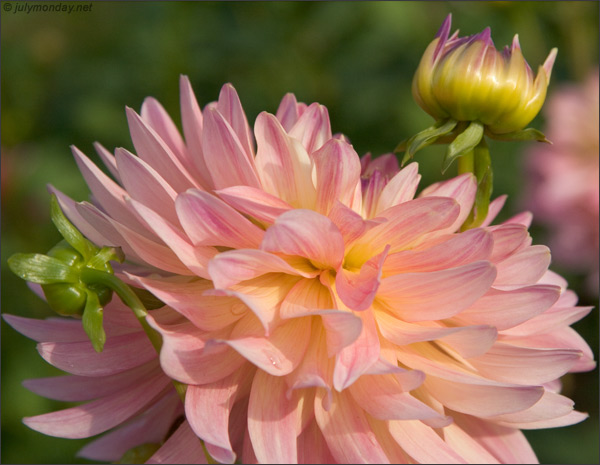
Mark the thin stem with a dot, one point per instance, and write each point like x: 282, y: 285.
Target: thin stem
x: 480, y: 164
x: 466, y: 163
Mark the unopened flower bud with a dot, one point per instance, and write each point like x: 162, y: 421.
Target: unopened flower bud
x: 467, y: 79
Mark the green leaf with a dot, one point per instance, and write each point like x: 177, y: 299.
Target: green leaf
x: 464, y: 142
x: 92, y: 321
x: 106, y: 254
x: 522, y: 135
x: 41, y: 269
x: 70, y: 232
x: 426, y: 137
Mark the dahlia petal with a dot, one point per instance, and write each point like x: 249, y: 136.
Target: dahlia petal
x: 153, y: 150
x: 462, y: 188
x: 347, y: 431
x: 284, y: 167
x: 254, y: 202
x: 209, y: 313
x: 483, y: 400
x: 312, y: 128
x: 566, y: 420
x: 230, y: 107
x: 150, y: 426
x: 302, y: 232
x: 506, y: 309
x: 523, y: 268
x: 358, y: 289
x: 109, y: 160
x: 272, y: 420
x: 507, y: 445
x: 338, y: 173
x: 108, y: 193
x: 549, y: 407
x: 401, y: 188
x: 382, y: 397
x: 508, y: 238
x: 73, y: 388
x: 289, y: 111
x: 182, y: 447
x: 511, y: 364
x: 312, y: 447
x: 191, y: 119
x: 281, y: 352
x: 47, y: 330
x: 98, y: 416
x: 207, y: 409
x: 224, y: 154
x: 460, y: 249
x: 493, y: 209
x: 422, y: 443
x: 523, y: 218
x: 120, y: 353
x: 350, y: 223
x: 552, y: 319
x: 207, y: 220
x: 437, y: 294
x: 470, y: 449
x: 353, y: 360
x: 406, y: 224
x: 145, y: 185
x: 194, y: 257
x: 231, y: 267
x: 184, y: 355
x: 471, y: 341
x: 149, y: 251
x: 153, y: 113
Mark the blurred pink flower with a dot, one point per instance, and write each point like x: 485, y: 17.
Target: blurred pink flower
x: 564, y: 177
x: 328, y: 314
x: 122, y: 389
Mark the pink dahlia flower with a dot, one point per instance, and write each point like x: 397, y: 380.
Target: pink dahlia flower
x: 123, y: 390
x: 564, y: 190
x: 328, y: 315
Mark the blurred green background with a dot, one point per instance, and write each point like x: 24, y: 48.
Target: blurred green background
x: 66, y: 79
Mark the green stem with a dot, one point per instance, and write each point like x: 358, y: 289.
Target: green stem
x: 480, y: 164
x: 129, y: 298
x: 466, y: 163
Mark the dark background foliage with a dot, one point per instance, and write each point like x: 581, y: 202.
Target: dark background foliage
x: 66, y: 79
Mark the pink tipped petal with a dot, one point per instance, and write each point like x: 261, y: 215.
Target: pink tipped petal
x: 571, y: 418
x: 493, y: 210
x: 184, y: 355
x: 99, y: 416
x: 422, y: 443
x: 288, y: 111
x: 154, y: 151
x: 196, y: 258
x: 191, y: 118
x: 338, y: 172
x: 468, y: 446
x: 208, y: 220
x: 438, y: 294
x: 182, y: 447
x: 301, y: 232
x: 523, y: 268
x: 188, y: 297
x: 461, y: 188
x: 48, y: 330
x: 355, y: 359
x: 507, y: 445
x: 109, y: 160
x: 120, y: 353
x: 358, y: 289
x: 507, y: 240
x: 230, y: 107
x: 284, y: 167
x: 145, y: 185
x: 506, y: 309
x: 460, y: 249
x: 272, y: 420
x: 224, y: 154
x: 382, y: 397
x: 231, y: 267
x: 401, y: 188
x: 406, y: 224
x: 554, y: 318
x: 312, y: 128
x: 550, y: 406
x: 350, y: 223
x: 254, y: 202
x: 208, y: 407
x: 312, y: 447
x: 347, y: 431
x: 153, y: 113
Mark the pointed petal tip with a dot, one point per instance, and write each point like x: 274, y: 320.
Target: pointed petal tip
x: 549, y: 63
x: 445, y: 28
